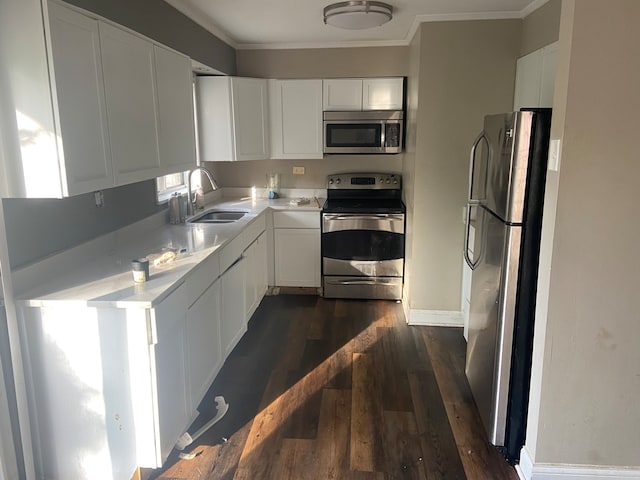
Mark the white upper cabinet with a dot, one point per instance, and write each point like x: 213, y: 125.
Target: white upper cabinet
x: 548, y: 76
x: 176, y: 128
x: 382, y: 93
x: 535, y: 78
x: 295, y: 110
x: 80, y: 97
x: 342, y: 94
x: 232, y: 118
x: 87, y: 105
x: 363, y: 94
x: 129, y: 76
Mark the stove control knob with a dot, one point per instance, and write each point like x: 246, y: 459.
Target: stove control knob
x: 395, y: 181
x: 331, y: 181
x: 388, y: 181
x: 338, y: 181
x: 382, y: 180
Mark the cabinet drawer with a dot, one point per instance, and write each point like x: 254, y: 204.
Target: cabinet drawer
x: 295, y: 219
x: 202, y: 277
x: 254, y: 230
x: 232, y: 251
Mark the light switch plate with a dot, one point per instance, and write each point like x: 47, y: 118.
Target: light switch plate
x: 553, y: 163
x: 298, y: 170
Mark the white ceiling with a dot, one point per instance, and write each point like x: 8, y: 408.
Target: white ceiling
x: 298, y: 23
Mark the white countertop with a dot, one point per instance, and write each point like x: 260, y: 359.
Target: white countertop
x: 104, y: 279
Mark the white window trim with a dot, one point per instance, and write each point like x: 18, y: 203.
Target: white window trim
x: 163, y: 195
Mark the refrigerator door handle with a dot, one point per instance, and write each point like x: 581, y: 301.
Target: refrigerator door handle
x: 472, y: 263
x: 472, y: 165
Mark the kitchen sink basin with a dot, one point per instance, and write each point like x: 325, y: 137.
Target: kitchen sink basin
x: 217, y: 216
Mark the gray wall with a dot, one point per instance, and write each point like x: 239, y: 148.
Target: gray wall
x: 466, y: 71
x: 589, y: 366
x: 541, y: 27
x: 38, y: 227
x: 160, y: 21
x: 313, y: 63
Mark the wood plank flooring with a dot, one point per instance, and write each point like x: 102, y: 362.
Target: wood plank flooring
x: 341, y: 389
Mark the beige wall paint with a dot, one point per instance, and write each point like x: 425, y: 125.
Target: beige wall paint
x: 466, y: 71
x: 313, y: 63
x: 254, y: 173
x: 541, y: 27
x: 323, y: 62
x: 409, y: 160
x: 590, y: 384
x: 548, y: 227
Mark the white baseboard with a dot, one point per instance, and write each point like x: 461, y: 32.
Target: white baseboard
x: 528, y: 470
x: 435, y: 318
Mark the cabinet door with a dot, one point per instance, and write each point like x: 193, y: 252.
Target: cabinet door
x: 382, y: 93
x: 297, y: 257
x: 548, y: 74
x: 342, y: 94
x: 204, y: 351
x: 296, y: 118
x: 170, y: 369
x: 527, y: 88
x: 176, y: 129
x: 129, y: 78
x: 79, y: 87
x: 256, y: 274
x: 232, y: 322
x: 250, y: 117
x: 215, y: 120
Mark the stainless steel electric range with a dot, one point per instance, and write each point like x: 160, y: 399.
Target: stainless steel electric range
x: 362, y: 241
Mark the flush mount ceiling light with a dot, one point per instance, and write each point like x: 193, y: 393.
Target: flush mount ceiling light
x: 357, y: 15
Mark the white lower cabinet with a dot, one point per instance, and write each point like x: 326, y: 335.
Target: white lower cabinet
x: 109, y: 381
x: 169, y: 369
x: 124, y: 383
x: 233, y: 323
x: 297, y: 248
x: 256, y: 279
x: 204, y: 354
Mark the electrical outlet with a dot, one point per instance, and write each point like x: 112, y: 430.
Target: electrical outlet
x: 298, y: 170
x: 99, y: 198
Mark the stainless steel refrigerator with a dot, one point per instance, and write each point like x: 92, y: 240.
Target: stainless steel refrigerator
x: 502, y: 245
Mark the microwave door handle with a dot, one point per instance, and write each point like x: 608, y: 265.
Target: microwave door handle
x: 383, y: 133
x: 472, y: 165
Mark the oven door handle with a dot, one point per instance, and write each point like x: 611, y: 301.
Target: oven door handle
x: 372, y: 216
x: 361, y: 282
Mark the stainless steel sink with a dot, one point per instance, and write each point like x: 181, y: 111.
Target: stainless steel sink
x: 217, y: 216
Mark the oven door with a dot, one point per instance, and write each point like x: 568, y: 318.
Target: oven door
x: 370, y: 245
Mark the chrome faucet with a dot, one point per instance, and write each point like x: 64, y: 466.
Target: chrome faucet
x: 191, y: 202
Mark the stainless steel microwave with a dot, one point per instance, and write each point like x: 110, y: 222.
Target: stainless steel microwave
x: 374, y: 131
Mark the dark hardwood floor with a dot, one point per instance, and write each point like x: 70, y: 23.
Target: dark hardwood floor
x: 341, y: 389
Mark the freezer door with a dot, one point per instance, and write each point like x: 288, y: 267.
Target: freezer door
x: 509, y: 139
x: 491, y: 318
